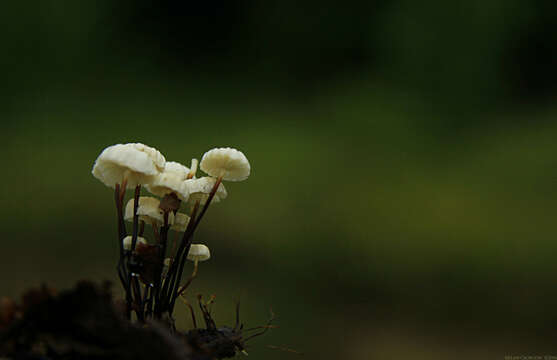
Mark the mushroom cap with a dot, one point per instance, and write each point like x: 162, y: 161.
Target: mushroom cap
x: 199, y: 189
x: 199, y: 252
x: 136, y: 162
x: 229, y: 163
x: 128, y: 242
x: 180, y: 222
x: 171, y: 180
x: 148, y: 210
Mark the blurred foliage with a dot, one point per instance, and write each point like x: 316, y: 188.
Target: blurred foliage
x: 403, y: 157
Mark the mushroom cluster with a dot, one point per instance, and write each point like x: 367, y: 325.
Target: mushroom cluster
x: 151, y: 272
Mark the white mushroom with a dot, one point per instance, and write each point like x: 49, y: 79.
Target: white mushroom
x: 226, y: 163
x: 148, y: 211
x: 171, y: 180
x: 133, y: 163
x: 180, y: 222
x: 128, y: 242
x: 199, y: 252
x: 200, y: 189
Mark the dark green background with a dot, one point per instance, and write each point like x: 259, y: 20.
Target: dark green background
x: 402, y: 202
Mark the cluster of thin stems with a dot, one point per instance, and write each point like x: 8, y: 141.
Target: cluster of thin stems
x: 156, y: 299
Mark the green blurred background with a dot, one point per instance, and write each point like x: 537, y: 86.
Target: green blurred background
x: 402, y: 199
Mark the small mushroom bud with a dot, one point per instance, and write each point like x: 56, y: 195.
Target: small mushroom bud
x: 128, y: 242
x: 148, y: 211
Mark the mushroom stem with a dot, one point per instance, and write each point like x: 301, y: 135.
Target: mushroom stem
x: 193, y: 276
x: 155, y: 227
x: 208, y: 202
x: 149, y: 304
x: 121, y: 224
x: 186, y: 241
x: 141, y: 228
x: 122, y: 269
x: 194, y: 273
x: 209, y: 322
x: 191, y: 311
x: 131, y: 263
x: 138, y: 299
x: 174, y: 244
x: 175, y: 273
x: 158, y: 277
x: 123, y: 189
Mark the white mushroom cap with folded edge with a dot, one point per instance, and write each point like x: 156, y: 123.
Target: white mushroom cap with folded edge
x: 171, y: 180
x: 180, y: 222
x: 228, y: 163
x: 199, y: 252
x: 128, y: 242
x: 135, y: 162
x: 148, y: 210
x: 200, y: 189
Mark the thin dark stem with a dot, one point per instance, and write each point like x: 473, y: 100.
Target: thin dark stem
x: 237, y: 326
x: 149, y: 306
x: 209, y: 322
x: 188, y: 235
x: 139, y: 304
x: 174, y: 244
x: 121, y: 235
x: 208, y: 202
x: 162, y: 253
x: 185, y: 286
x: 121, y: 224
x: 131, y: 261
x: 145, y: 297
x: 141, y: 228
x: 122, y: 270
x: 154, y: 225
x: 265, y: 327
x: 172, y: 274
x: 181, y: 260
x: 261, y: 327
